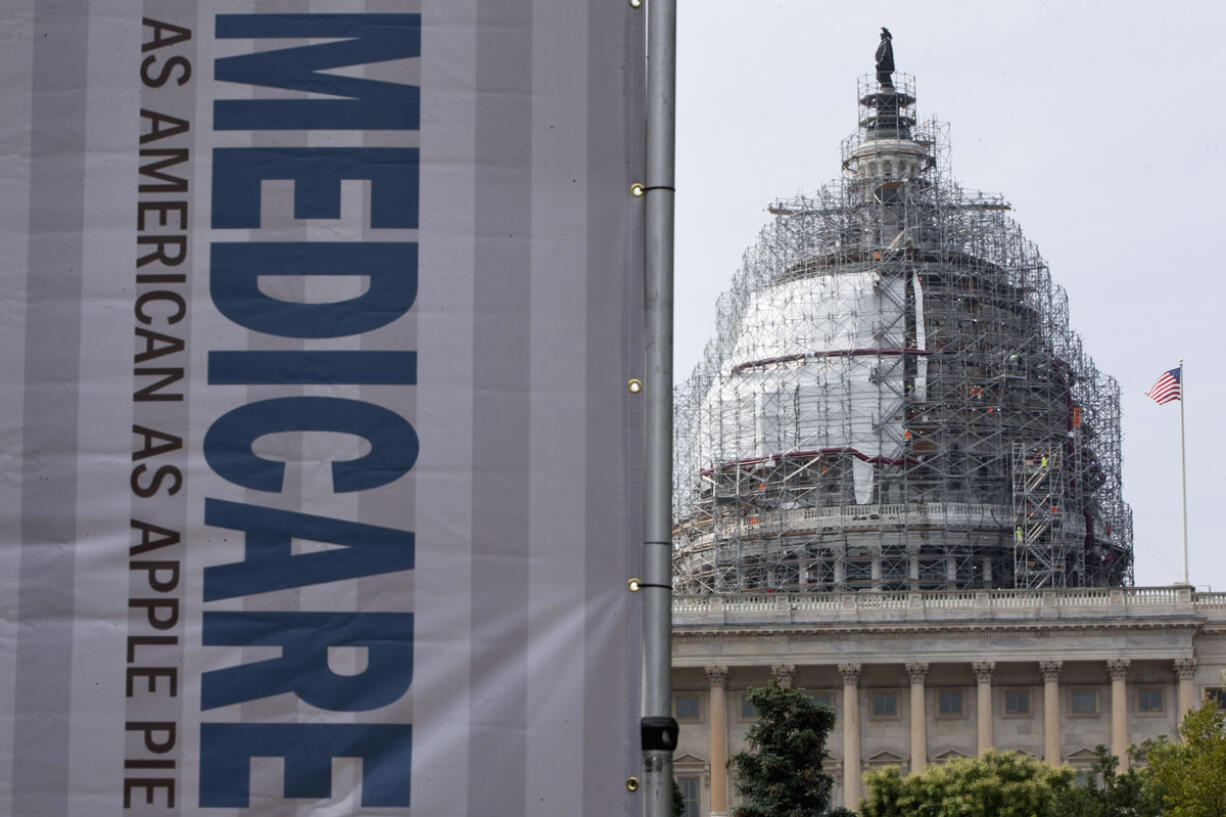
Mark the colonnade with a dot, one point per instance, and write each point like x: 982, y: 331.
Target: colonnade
x: 917, y: 674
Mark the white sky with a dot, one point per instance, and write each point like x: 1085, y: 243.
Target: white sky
x: 1101, y: 123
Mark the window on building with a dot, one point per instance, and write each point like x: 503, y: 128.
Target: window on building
x: 1149, y: 699
x: 1217, y: 695
x: 885, y: 704
x: 822, y: 699
x: 859, y: 571
x: 1017, y: 702
x: 1084, y: 701
x: 748, y: 710
x: 931, y: 572
x: 949, y: 703
x: 686, y: 707
x: 690, y: 792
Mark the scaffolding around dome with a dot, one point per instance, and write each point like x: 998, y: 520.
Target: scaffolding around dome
x: 894, y: 398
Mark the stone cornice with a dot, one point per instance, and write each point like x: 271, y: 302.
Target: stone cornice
x: 1214, y: 630
x: 946, y: 629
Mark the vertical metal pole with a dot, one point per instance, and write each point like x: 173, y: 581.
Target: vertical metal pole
x: 1183, y: 475
x: 658, y: 394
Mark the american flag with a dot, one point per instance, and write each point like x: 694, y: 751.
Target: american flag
x: 1166, y: 388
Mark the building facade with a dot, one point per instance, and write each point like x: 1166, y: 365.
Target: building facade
x: 897, y: 487
x: 916, y: 678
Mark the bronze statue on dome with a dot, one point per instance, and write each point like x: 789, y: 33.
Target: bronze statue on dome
x: 885, y: 59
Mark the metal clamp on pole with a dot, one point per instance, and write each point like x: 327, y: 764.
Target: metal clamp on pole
x: 658, y: 734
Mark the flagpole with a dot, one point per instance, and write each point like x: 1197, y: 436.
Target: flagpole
x: 1183, y: 473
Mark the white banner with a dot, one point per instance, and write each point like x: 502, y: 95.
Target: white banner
x: 321, y: 484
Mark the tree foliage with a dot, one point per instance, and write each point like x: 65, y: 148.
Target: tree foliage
x: 1185, y: 779
x: 1107, y: 793
x: 780, y: 775
x: 1190, y: 776
x: 998, y: 784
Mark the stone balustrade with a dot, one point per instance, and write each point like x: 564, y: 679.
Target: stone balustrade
x: 1091, y: 602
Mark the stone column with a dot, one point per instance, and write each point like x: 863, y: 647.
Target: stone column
x: 1051, y: 710
x: 783, y: 675
x: 718, y: 678
x: 983, y: 686
x: 1185, y: 671
x: 918, y: 672
x: 1117, y: 668
x: 851, y: 735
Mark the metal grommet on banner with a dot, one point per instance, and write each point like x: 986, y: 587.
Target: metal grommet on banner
x: 632, y: 783
x: 637, y: 189
x: 634, y: 385
x: 635, y: 4
x: 633, y: 585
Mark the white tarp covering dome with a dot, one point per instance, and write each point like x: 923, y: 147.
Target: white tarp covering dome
x: 808, y: 373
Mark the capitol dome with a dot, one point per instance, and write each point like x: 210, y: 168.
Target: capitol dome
x: 894, y: 398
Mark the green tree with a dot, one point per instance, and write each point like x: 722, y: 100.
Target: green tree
x: 780, y: 775
x: 998, y: 784
x: 1107, y: 793
x: 1190, y: 776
